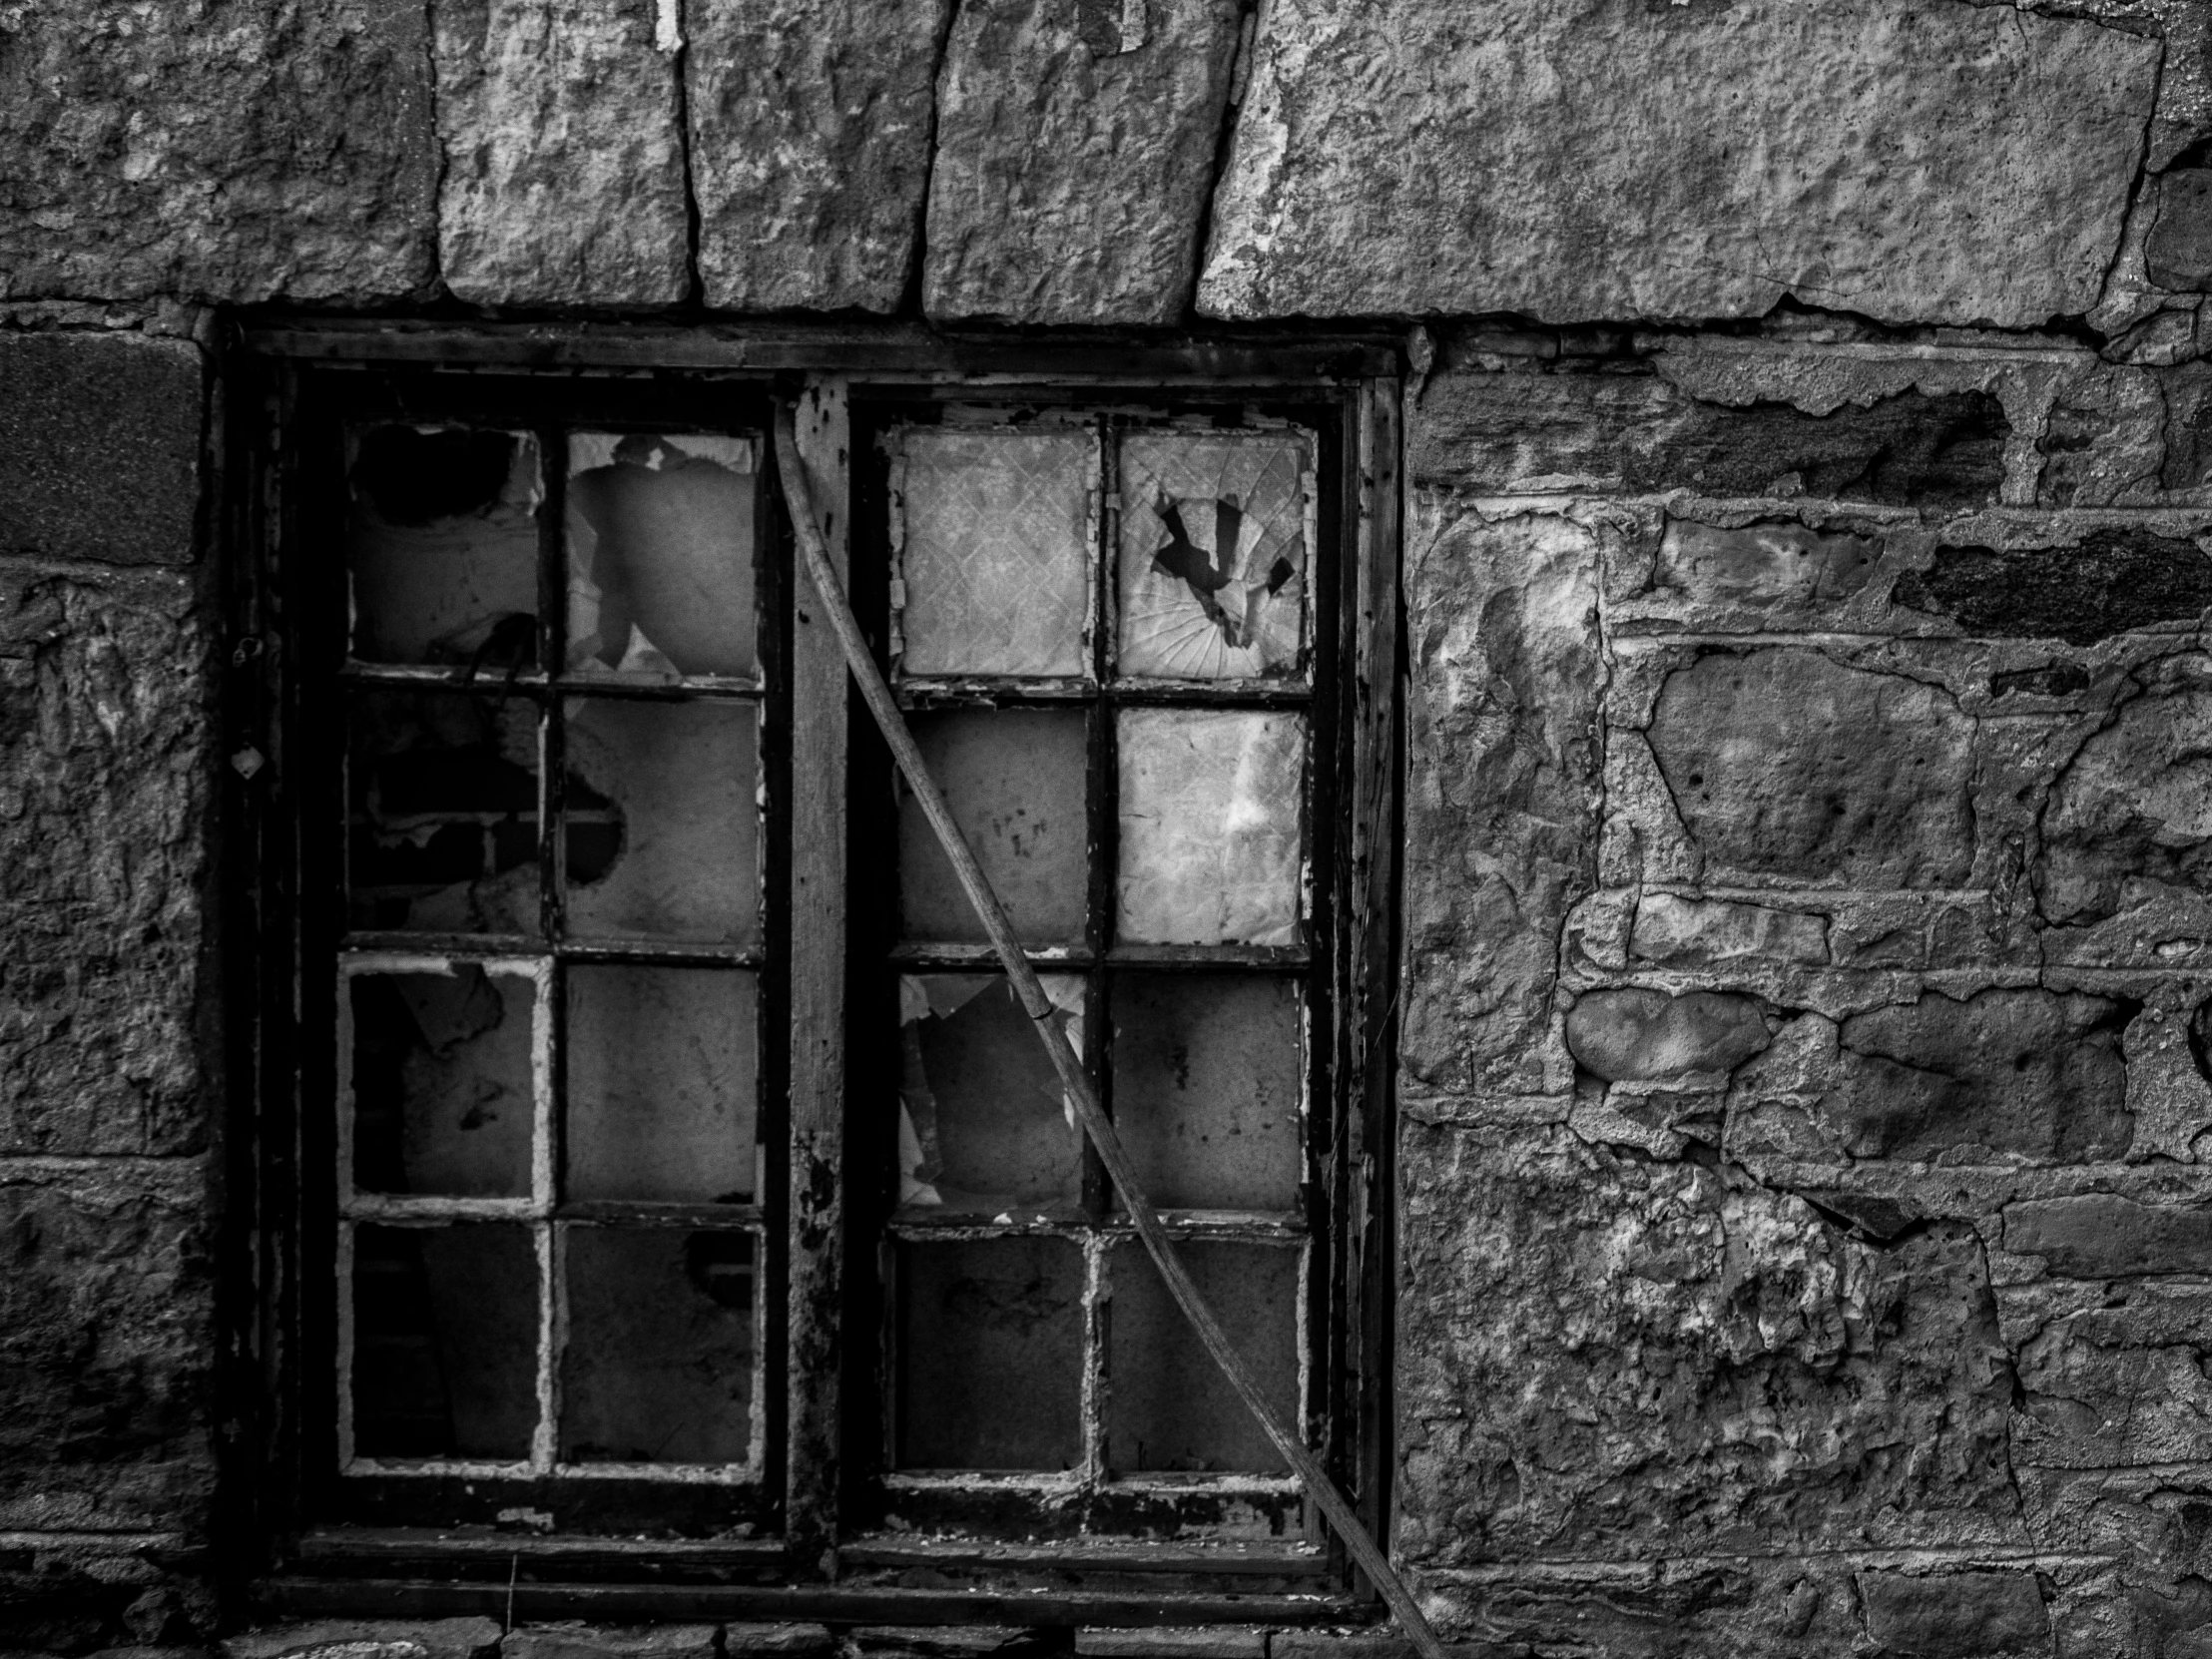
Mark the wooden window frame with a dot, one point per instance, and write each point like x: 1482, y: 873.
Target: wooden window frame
x: 819, y: 1472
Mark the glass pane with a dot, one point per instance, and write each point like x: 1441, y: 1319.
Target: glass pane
x: 441, y: 546
x: 1215, y: 528
x: 443, y: 1100
x: 1208, y: 1077
x: 445, y: 1341
x: 994, y: 533
x: 659, y: 1364
x: 1210, y: 826
x: 443, y: 796
x: 660, y: 554
x: 982, y: 1125
x: 991, y: 1350
x: 1168, y: 1406
x: 669, y: 821
x: 661, y: 1084
x: 1015, y: 780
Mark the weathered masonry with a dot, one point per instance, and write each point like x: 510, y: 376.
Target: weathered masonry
x: 1576, y: 632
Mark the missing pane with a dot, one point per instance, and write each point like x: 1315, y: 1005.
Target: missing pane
x: 661, y: 1084
x: 990, y: 1339
x: 445, y: 1341
x: 674, y: 839
x: 1016, y: 782
x: 1169, y: 1407
x: 441, y: 546
x: 660, y: 554
x: 982, y: 1122
x: 444, y: 1098
x: 1208, y: 1077
x: 993, y: 533
x: 1210, y: 821
x: 443, y: 799
x: 658, y: 1362
x: 1215, y: 528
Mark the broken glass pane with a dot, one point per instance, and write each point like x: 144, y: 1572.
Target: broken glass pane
x: 673, y: 834
x: 658, y: 1362
x: 1169, y: 1407
x: 445, y: 1341
x: 443, y: 799
x: 1208, y: 1077
x: 1215, y: 528
x: 982, y: 1122
x: 991, y: 1347
x: 441, y: 546
x: 444, y: 1098
x: 660, y: 554
x: 661, y: 1091
x: 1210, y: 826
x: 1015, y: 780
x: 993, y: 532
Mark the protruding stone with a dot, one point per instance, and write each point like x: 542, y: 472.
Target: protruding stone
x: 1624, y: 1035
x: 1706, y: 932
x: 1589, y: 160
x: 1962, y: 1615
x: 2133, y: 809
x: 2180, y: 247
x: 809, y: 148
x: 582, y: 1641
x: 1173, y: 1641
x: 1075, y: 144
x: 773, y: 1641
x: 477, y: 1638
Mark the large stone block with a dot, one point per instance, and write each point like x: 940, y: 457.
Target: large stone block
x: 2116, y: 580
x: 104, y: 783
x: 811, y: 125
x: 231, y: 150
x: 2106, y: 1236
x: 1075, y: 144
x: 469, y: 1638
x: 2112, y: 1375
x: 100, y: 447
x: 1962, y: 1615
x: 1592, y: 159
x: 1646, y: 1034
x: 564, y: 160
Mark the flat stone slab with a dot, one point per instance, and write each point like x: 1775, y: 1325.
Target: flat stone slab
x: 369, y: 1639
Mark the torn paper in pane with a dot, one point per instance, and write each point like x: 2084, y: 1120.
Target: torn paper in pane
x: 678, y: 783
x: 990, y: 1344
x: 445, y: 1341
x: 442, y: 794
x: 441, y: 1082
x: 993, y: 534
x: 1210, y: 826
x: 661, y: 1084
x: 441, y: 546
x: 1216, y: 532
x: 983, y: 1123
x: 1016, y: 780
x: 1170, y: 1407
x: 660, y: 554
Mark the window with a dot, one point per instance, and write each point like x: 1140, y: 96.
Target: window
x: 649, y: 1146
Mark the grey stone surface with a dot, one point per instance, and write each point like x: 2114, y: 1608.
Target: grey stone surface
x: 1962, y: 1615
x: 583, y: 1641
x: 1642, y: 1034
x: 2180, y: 247
x: 563, y: 174
x: 811, y: 125
x: 1075, y: 144
x: 1592, y: 161
x: 465, y: 1638
x: 100, y: 447
x: 2104, y: 1236
x: 231, y: 150
x: 2112, y: 1376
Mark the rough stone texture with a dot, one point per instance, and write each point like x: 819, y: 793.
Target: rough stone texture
x: 2116, y: 580
x: 1967, y: 1615
x: 477, y: 1638
x: 2180, y: 247
x: 1076, y: 144
x: 1595, y: 161
x: 579, y: 1641
x: 564, y: 159
x: 1649, y: 1034
x: 811, y: 125
x: 2101, y: 1236
x: 231, y: 150
x: 100, y: 447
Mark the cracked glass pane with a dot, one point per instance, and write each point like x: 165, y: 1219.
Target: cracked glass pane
x: 1017, y: 782
x: 441, y: 546
x: 993, y: 532
x: 667, y: 819
x: 658, y: 1362
x: 990, y: 1344
x: 982, y: 1122
x: 442, y: 796
x: 445, y: 1341
x: 1169, y: 1407
x: 1215, y: 528
x: 1208, y: 1077
x: 442, y: 1082
x: 660, y: 554
x: 661, y: 1084
x: 1210, y: 826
